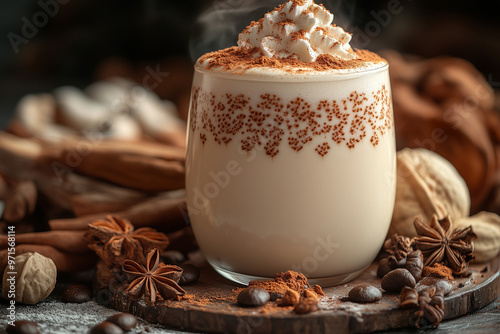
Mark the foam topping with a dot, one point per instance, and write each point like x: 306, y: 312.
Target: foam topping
x: 299, y: 29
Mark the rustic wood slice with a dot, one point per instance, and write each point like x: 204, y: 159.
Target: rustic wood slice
x: 210, y: 305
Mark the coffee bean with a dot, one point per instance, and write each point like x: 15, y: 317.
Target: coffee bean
x: 23, y: 327
x: 125, y: 321
x: 172, y: 257
x: 396, y: 280
x: 383, y: 267
x: 365, y: 293
x: 106, y: 327
x: 253, y: 296
x: 77, y: 294
x: 190, y: 273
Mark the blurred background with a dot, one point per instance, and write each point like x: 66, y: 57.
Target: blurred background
x: 444, y: 58
x: 96, y: 144
x: 48, y: 43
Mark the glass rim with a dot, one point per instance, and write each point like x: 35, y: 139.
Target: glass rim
x: 288, y: 77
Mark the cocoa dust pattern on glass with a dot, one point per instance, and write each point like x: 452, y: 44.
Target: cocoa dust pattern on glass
x: 272, y: 120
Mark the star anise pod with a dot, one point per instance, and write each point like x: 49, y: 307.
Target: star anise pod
x: 155, y: 281
x: 115, y: 240
x: 440, y: 243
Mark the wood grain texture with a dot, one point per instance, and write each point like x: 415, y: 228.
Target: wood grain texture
x: 222, y: 314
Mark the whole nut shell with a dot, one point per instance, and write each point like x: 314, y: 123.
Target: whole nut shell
x: 34, y: 280
x: 486, y: 225
x: 426, y: 184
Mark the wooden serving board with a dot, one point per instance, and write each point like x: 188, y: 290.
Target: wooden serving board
x: 212, y: 305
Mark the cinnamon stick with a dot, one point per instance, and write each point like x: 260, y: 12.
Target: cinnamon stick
x: 162, y: 212
x: 3, y: 187
x: 20, y: 201
x: 65, y: 241
x: 18, y: 155
x: 143, y: 166
x: 65, y: 262
x: 94, y: 202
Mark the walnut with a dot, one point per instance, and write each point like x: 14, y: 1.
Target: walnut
x: 34, y: 280
x: 426, y: 184
x: 486, y: 226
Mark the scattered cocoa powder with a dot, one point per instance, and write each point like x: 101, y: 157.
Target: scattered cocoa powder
x: 291, y: 298
x: 438, y: 270
x: 275, y: 289
x: 239, y: 60
x: 283, y: 282
x: 295, y: 281
x: 315, y: 289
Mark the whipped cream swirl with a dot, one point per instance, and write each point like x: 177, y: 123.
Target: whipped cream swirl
x: 299, y: 28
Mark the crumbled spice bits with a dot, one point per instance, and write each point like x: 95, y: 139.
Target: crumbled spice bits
x: 315, y: 289
x: 440, y: 243
x: 438, y: 270
x: 290, y: 298
x: 272, y: 120
x: 276, y: 290
x: 114, y: 240
x: 282, y: 283
x: 294, y: 280
x: 241, y: 59
x: 306, y: 305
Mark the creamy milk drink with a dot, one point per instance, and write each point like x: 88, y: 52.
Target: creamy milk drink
x: 291, y: 150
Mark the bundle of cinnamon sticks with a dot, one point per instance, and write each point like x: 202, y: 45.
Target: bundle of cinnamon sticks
x: 69, y: 158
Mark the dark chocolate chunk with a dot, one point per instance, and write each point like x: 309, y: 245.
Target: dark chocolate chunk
x: 253, y: 296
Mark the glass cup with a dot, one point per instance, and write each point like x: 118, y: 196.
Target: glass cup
x: 290, y: 172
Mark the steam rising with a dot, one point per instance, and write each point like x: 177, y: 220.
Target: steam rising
x: 219, y: 25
